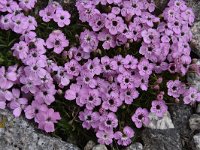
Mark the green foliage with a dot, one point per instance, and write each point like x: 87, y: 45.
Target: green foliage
x: 7, y: 39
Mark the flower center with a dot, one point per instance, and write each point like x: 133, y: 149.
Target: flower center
x: 72, y: 68
x: 111, y: 101
x: 99, y: 23
x: 107, y: 67
x: 158, y: 107
x: 115, y: 23
x: 128, y: 93
x: 91, y: 98
x: 140, y: 117
x: 57, y: 42
x: 108, y: 122
x: 62, y: 17
x: 127, y: 80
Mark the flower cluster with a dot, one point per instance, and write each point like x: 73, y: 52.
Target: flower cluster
x: 103, y: 87
x: 17, y: 22
x: 33, y: 80
x: 164, y: 43
x: 55, y: 11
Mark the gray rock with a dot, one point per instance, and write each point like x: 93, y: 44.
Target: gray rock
x: 180, y: 114
x: 18, y: 133
x: 135, y: 146
x: 168, y: 139
x: 160, y: 123
x: 89, y: 145
x: 193, y: 78
x: 198, y: 109
x: 100, y: 147
x: 195, y: 122
x: 196, y: 139
x: 161, y: 4
x: 195, y: 43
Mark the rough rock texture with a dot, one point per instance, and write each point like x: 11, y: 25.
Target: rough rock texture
x: 168, y: 139
x: 89, y: 145
x: 161, y: 4
x: 180, y: 114
x: 17, y: 133
x: 198, y: 109
x: 193, y: 78
x: 196, y: 139
x: 100, y: 147
x: 160, y: 123
x: 135, y: 146
x: 195, y: 43
x: 195, y: 122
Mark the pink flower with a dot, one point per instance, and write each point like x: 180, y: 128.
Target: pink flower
x: 62, y: 17
x: 105, y: 137
x: 150, y: 36
x: 159, y: 107
x: 88, y: 41
x: 126, y: 80
x: 124, y: 138
x: 89, y: 118
x: 114, y: 24
x: 27, y: 4
x: 57, y: 41
x: 145, y: 68
x: 17, y: 104
x: 20, y: 50
x: 191, y: 96
x: 140, y: 117
x: 47, y: 119
x: 7, y: 78
x: 32, y: 111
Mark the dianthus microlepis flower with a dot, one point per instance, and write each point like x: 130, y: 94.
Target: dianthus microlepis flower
x: 62, y: 17
x: 140, y: 117
x: 124, y: 138
x: 58, y: 41
x: 158, y: 107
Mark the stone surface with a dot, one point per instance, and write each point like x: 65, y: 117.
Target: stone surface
x: 168, y: 139
x: 193, y: 78
x: 19, y: 134
x: 180, y: 114
x: 195, y: 122
x: 195, y: 43
x: 160, y: 123
x: 89, y: 145
x: 100, y: 147
x: 161, y: 4
x: 198, y: 109
x: 196, y: 139
x: 135, y: 146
